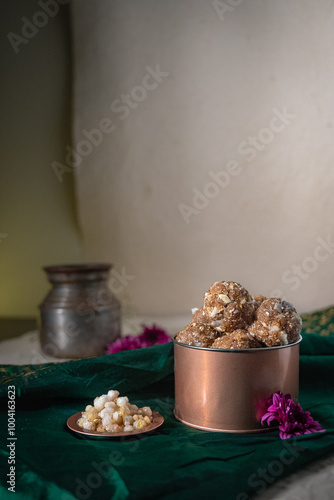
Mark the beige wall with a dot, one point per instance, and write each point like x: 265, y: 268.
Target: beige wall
x: 220, y: 167
x: 36, y: 210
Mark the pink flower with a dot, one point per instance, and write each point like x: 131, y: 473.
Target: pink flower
x: 124, y: 344
x: 292, y: 420
x: 151, y: 335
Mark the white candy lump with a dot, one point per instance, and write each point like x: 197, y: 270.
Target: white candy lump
x: 112, y: 413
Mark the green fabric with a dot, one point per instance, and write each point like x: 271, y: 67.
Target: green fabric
x: 173, y: 462
x: 320, y: 322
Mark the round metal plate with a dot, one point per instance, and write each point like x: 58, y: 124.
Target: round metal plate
x: 73, y: 426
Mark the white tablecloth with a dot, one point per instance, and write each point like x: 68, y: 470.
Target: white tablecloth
x: 26, y: 349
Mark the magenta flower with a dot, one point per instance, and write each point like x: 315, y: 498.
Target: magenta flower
x: 151, y: 335
x: 292, y: 420
x: 124, y: 344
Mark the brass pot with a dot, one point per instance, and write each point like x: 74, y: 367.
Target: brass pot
x: 226, y: 390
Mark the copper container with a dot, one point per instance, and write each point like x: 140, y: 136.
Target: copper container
x: 226, y: 390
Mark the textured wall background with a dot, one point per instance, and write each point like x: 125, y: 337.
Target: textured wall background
x: 214, y: 156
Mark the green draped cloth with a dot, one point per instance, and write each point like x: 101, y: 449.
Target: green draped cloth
x: 174, y: 461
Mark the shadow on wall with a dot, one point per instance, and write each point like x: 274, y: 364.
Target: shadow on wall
x: 38, y: 223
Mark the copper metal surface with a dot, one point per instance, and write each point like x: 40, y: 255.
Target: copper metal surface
x: 226, y: 390
x: 73, y: 426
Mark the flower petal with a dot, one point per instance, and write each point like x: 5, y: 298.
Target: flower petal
x: 292, y: 420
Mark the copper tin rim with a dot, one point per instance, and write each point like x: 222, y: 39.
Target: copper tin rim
x: 257, y: 349
x: 235, y: 431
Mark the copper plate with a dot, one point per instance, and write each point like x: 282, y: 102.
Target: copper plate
x: 73, y: 426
